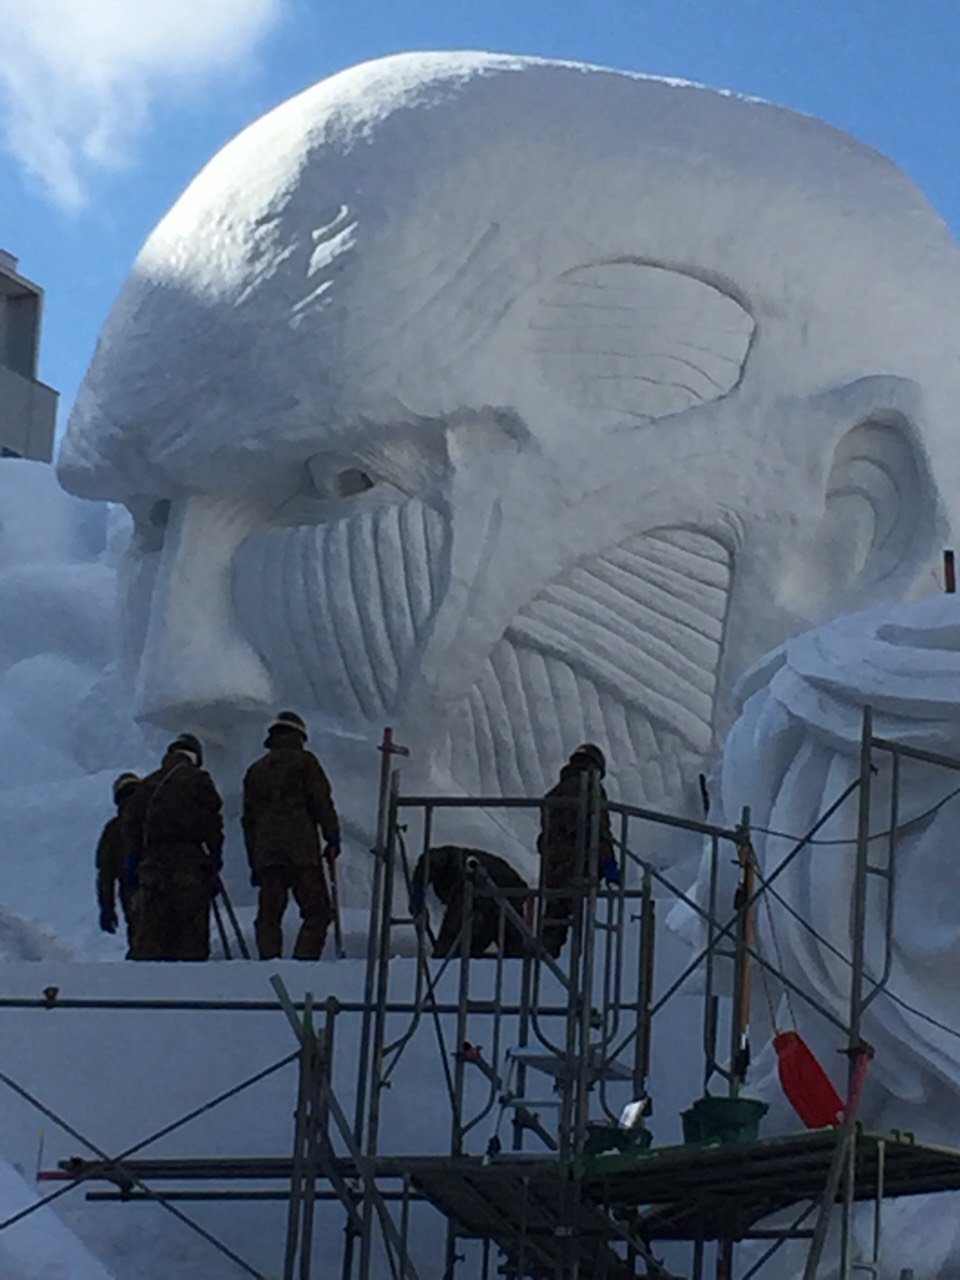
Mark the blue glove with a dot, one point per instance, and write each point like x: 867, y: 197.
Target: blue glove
x: 333, y: 846
x: 254, y: 879
x: 216, y: 857
x: 416, y: 900
x: 108, y: 919
x: 610, y: 870
x: 131, y: 871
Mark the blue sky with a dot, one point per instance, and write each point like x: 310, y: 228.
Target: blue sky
x: 108, y: 107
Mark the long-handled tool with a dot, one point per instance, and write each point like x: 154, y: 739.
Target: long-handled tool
x: 218, y: 918
x: 335, y: 904
x: 232, y: 916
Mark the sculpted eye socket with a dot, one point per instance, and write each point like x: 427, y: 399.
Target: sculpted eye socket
x: 331, y: 478
x: 333, y: 488
x: 159, y: 515
x: 150, y: 519
x: 352, y: 481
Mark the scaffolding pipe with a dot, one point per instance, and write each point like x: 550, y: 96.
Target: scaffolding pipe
x: 743, y: 943
x: 845, y: 1151
x: 381, y: 955
x: 533, y: 1246
x: 856, y: 1048
x: 379, y: 854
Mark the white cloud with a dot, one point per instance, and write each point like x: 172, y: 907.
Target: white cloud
x: 79, y: 78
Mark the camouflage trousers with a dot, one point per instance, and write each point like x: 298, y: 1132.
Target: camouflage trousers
x: 171, y: 919
x: 558, y: 915
x: 128, y: 905
x: 309, y: 888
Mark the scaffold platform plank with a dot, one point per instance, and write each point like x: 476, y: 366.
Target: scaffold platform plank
x: 665, y: 1193
x: 534, y: 1212
x: 722, y: 1191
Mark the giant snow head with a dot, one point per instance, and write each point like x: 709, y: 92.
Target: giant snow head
x: 519, y: 402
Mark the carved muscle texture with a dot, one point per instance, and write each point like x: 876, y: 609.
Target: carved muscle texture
x: 340, y: 609
x: 624, y: 648
x: 641, y: 341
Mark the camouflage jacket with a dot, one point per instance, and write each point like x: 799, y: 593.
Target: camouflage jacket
x: 559, y: 843
x: 286, y: 796
x: 175, y: 812
x: 448, y: 864
x: 112, y: 849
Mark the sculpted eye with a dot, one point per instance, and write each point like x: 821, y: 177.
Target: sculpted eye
x: 150, y: 519
x: 159, y: 515
x: 352, y: 481
x: 331, y: 478
x: 332, y: 488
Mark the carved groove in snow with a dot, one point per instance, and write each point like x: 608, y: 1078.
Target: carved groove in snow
x: 640, y: 340
x: 338, y: 610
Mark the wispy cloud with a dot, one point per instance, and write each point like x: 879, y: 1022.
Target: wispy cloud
x: 80, y: 78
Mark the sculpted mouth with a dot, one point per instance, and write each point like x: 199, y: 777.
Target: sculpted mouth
x: 338, y: 611
x: 623, y: 649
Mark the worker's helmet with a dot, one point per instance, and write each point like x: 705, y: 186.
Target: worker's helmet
x: 187, y: 744
x: 589, y: 753
x: 289, y: 720
x: 123, y: 785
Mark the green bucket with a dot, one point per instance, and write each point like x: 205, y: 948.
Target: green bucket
x: 723, y: 1120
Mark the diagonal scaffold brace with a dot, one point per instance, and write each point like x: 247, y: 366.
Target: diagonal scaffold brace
x: 319, y: 1110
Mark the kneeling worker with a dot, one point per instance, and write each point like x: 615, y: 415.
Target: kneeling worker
x: 175, y: 829
x: 286, y: 796
x: 447, y: 877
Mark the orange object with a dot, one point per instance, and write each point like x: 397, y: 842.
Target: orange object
x: 809, y: 1089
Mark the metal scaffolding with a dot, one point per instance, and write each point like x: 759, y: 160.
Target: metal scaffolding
x: 551, y: 1045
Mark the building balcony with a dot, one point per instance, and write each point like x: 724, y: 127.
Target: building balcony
x: 28, y: 416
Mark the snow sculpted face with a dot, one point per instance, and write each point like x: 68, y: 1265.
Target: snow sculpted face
x: 517, y: 403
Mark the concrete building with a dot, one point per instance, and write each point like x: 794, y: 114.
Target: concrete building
x: 28, y: 408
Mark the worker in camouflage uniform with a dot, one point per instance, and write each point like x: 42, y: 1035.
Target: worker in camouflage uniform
x: 286, y: 796
x: 175, y: 831
x: 445, y: 870
x: 112, y: 850
x: 563, y: 843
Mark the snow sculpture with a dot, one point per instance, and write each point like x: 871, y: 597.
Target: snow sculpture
x: 64, y: 729
x: 517, y: 403
x: 792, y: 752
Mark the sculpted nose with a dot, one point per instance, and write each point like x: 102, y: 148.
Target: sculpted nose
x: 195, y: 665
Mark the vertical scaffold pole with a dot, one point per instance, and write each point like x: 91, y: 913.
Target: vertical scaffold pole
x: 645, y: 973
x: 740, y: 1020
x: 300, y: 1137
x: 378, y: 1035
x: 575, y: 996
x: 318, y: 1119
x: 740, y: 1014
x: 459, y: 1061
x: 709, y: 999
x: 463, y: 998
x: 370, y: 978
x: 857, y: 1050
x: 845, y: 1151
x: 594, y: 816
